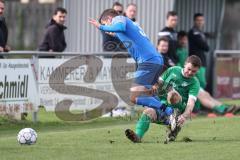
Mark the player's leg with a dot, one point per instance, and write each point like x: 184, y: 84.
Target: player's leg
x: 209, y: 102
x: 149, y: 115
x: 172, y: 134
x: 145, y: 77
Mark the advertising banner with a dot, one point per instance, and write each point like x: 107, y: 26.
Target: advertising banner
x: 228, y: 77
x: 78, y: 80
x: 18, y: 87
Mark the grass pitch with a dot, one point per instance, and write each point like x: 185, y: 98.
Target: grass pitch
x: 212, y: 139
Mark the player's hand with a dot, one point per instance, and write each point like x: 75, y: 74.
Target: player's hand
x: 7, y: 48
x: 110, y: 33
x: 154, y: 88
x: 94, y: 22
x: 1, y: 49
x: 181, y: 120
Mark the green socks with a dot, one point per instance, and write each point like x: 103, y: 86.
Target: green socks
x: 143, y: 125
x: 220, y: 109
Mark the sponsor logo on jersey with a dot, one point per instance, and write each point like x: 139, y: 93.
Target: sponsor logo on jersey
x: 185, y: 84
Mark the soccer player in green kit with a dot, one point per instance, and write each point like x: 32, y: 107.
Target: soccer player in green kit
x: 183, y: 81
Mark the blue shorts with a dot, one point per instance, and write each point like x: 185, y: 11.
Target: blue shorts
x: 163, y: 114
x: 147, y: 74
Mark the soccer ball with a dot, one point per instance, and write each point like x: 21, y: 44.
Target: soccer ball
x: 27, y: 136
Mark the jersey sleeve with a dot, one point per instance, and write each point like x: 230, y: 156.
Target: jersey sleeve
x: 165, y: 74
x: 119, y: 19
x: 118, y: 25
x: 193, y: 92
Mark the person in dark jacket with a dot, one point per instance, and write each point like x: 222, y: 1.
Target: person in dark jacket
x: 198, y: 46
x: 169, y: 31
x: 54, y: 38
x: 3, y: 30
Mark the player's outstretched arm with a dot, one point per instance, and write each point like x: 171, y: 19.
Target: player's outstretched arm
x: 117, y: 27
x: 94, y: 22
x: 187, y: 113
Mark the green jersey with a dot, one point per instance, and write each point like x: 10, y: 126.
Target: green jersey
x: 186, y: 87
x: 182, y: 54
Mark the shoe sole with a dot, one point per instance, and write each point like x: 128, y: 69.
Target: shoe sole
x: 132, y: 136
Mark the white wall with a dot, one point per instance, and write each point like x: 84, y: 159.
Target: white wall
x: 83, y: 37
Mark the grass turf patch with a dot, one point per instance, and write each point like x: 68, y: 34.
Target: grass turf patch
x: 217, y: 138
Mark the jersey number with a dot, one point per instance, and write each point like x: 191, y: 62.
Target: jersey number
x: 140, y: 30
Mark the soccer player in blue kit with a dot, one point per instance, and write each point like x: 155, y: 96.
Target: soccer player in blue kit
x: 148, y: 60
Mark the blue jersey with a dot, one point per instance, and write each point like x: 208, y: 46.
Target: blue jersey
x: 134, y: 39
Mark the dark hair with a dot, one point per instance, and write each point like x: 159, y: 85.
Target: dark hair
x: 181, y: 34
x: 194, y: 60
x: 108, y: 12
x: 171, y: 13
x: 60, y: 9
x: 2, y: 1
x: 165, y: 39
x: 117, y: 4
x: 197, y: 15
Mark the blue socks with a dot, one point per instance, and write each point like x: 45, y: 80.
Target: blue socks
x: 152, y: 102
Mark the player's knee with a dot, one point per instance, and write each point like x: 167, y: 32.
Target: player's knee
x: 207, y: 94
x: 204, y: 94
x: 151, y: 113
x: 133, y: 95
x: 133, y: 99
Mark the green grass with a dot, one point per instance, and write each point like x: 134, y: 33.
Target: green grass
x: 231, y: 101
x: 104, y: 139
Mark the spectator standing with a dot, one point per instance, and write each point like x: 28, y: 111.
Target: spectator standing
x: 3, y: 30
x: 182, y: 50
x: 54, y: 38
x: 162, y: 48
x: 118, y: 7
x: 131, y: 11
x: 198, y: 46
x: 169, y: 31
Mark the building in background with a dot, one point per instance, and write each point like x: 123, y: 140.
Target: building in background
x: 82, y: 37
x: 26, y: 21
x: 230, y: 28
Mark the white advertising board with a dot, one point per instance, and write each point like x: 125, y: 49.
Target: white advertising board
x: 18, y: 87
x: 49, y: 97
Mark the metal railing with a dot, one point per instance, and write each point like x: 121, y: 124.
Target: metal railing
x: 41, y: 53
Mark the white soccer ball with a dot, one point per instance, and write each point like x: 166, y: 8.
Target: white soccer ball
x: 27, y: 136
